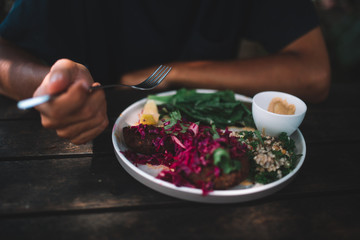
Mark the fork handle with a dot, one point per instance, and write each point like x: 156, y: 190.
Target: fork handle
x: 33, y: 102
x: 107, y: 86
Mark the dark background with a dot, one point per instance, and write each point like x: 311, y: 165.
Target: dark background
x: 340, y: 22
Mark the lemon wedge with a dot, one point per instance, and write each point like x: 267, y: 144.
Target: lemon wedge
x: 150, y: 114
x: 147, y: 119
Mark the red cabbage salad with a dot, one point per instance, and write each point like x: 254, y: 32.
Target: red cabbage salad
x: 200, y: 128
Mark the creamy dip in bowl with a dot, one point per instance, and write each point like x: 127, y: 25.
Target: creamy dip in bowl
x: 293, y: 111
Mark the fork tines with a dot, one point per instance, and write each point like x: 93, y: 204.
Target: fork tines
x: 155, y: 78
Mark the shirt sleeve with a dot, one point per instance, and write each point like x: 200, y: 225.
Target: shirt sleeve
x: 48, y: 29
x: 277, y: 23
x: 25, y: 25
x: 52, y: 30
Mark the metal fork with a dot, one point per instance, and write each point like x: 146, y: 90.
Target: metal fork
x: 150, y: 83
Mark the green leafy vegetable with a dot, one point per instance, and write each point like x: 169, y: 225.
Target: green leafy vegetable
x: 288, y: 143
x: 220, y: 108
x: 265, y: 177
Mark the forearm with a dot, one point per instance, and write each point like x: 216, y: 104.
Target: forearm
x: 20, y: 73
x: 283, y: 72
x: 302, y: 68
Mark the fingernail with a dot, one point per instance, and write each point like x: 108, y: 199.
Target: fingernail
x: 55, y: 77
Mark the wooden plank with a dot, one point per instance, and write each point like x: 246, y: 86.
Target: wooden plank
x: 29, y: 138
x: 9, y: 110
x: 327, y: 217
x: 331, y: 125
x: 99, y: 182
x: 68, y: 184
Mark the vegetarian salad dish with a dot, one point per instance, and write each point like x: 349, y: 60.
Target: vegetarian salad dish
x: 206, y: 141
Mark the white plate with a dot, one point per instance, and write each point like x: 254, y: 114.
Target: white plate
x: 147, y: 175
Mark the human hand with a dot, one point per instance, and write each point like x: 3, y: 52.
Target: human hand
x: 76, y: 114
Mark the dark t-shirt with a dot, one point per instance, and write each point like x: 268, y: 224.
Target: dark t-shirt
x: 113, y: 37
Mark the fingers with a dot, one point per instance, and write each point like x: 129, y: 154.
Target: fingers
x: 78, y: 122
x: 85, y: 131
x: 68, y: 104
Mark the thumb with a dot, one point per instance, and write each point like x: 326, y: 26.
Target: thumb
x: 58, y: 79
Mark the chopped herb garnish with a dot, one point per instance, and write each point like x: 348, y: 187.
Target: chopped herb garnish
x: 223, y: 160
x: 175, y: 116
x: 258, y: 135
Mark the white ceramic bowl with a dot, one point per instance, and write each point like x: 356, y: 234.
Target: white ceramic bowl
x: 271, y: 123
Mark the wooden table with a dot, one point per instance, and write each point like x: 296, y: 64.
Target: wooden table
x: 52, y: 189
